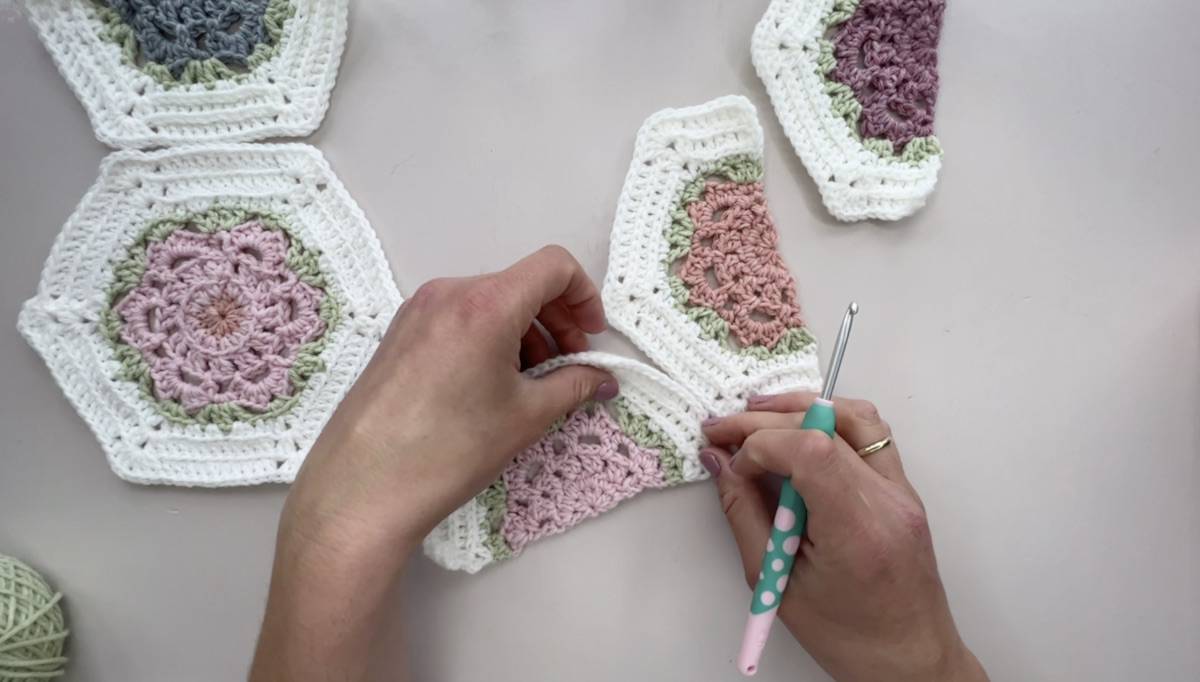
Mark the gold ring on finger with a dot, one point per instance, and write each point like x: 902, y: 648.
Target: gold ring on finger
x: 875, y: 447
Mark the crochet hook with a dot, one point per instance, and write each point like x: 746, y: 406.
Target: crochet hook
x: 789, y: 520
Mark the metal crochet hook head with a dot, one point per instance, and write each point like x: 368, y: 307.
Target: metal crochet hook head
x: 839, y: 349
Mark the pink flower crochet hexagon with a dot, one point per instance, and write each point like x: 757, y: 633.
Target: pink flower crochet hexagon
x: 154, y: 74
x: 220, y: 318
x: 206, y: 308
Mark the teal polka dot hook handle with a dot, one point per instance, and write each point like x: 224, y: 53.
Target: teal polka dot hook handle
x: 788, y: 527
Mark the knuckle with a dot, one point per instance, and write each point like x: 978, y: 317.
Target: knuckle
x: 817, y: 448
x: 581, y: 387
x: 737, y: 424
x: 792, y: 452
x: 886, y: 546
x: 729, y: 498
x: 884, y: 426
x: 867, y: 411
x: 559, y: 259
x: 914, y: 521
x: 428, y: 293
x: 753, y: 442
x: 479, y: 299
x: 916, y: 498
x: 756, y: 445
x: 555, y: 252
x: 876, y: 555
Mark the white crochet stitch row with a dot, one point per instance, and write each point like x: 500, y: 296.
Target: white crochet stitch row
x: 672, y: 147
x: 703, y: 376
x: 286, y: 96
x: 291, y: 181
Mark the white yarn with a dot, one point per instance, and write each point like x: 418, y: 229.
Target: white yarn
x: 285, y: 96
x: 855, y: 182
x: 672, y: 147
x: 458, y: 542
x: 292, y: 181
x: 703, y: 376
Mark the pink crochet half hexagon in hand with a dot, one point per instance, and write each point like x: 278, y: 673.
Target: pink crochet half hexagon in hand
x: 582, y: 470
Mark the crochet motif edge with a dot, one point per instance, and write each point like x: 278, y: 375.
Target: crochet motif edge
x: 60, y: 320
x: 465, y: 540
x: 673, y: 147
x: 137, y: 111
x: 854, y: 181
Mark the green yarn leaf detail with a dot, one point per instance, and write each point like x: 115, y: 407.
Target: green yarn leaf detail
x: 495, y: 502
x: 840, y: 13
x: 793, y: 341
x: 920, y: 148
x: 643, y: 432
x: 128, y: 274
x: 740, y: 168
x: 204, y: 71
x: 847, y: 107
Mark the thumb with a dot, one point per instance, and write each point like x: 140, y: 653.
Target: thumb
x: 827, y: 477
x: 745, y: 509
x: 566, y: 388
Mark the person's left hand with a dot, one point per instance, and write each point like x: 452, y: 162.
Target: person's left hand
x: 434, y: 418
x: 443, y: 406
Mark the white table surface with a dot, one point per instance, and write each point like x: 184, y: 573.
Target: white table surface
x: 1033, y: 335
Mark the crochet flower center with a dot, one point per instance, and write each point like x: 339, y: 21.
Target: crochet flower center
x: 220, y: 317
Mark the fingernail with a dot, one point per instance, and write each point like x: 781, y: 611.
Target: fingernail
x: 606, y: 391
x: 710, y: 463
x: 710, y: 421
x: 755, y: 400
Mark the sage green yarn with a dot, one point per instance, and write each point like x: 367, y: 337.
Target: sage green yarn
x: 741, y: 168
x: 32, y: 628
x: 128, y: 274
x: 847, y: 107
x: 206, y: 71
x: 495, y: 502
x: 643, y: 432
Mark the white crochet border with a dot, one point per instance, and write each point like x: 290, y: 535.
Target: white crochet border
x: 292, y: 181
x: 702, y: 376
x: 458, y: 543
x: 855, y: 182
x: 286, y: 96
x: 672, y: 147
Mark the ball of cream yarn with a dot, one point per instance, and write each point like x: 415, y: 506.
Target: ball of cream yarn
x: 32, y: 631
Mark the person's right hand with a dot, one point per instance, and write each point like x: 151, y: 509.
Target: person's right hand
x: 864, y: 597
